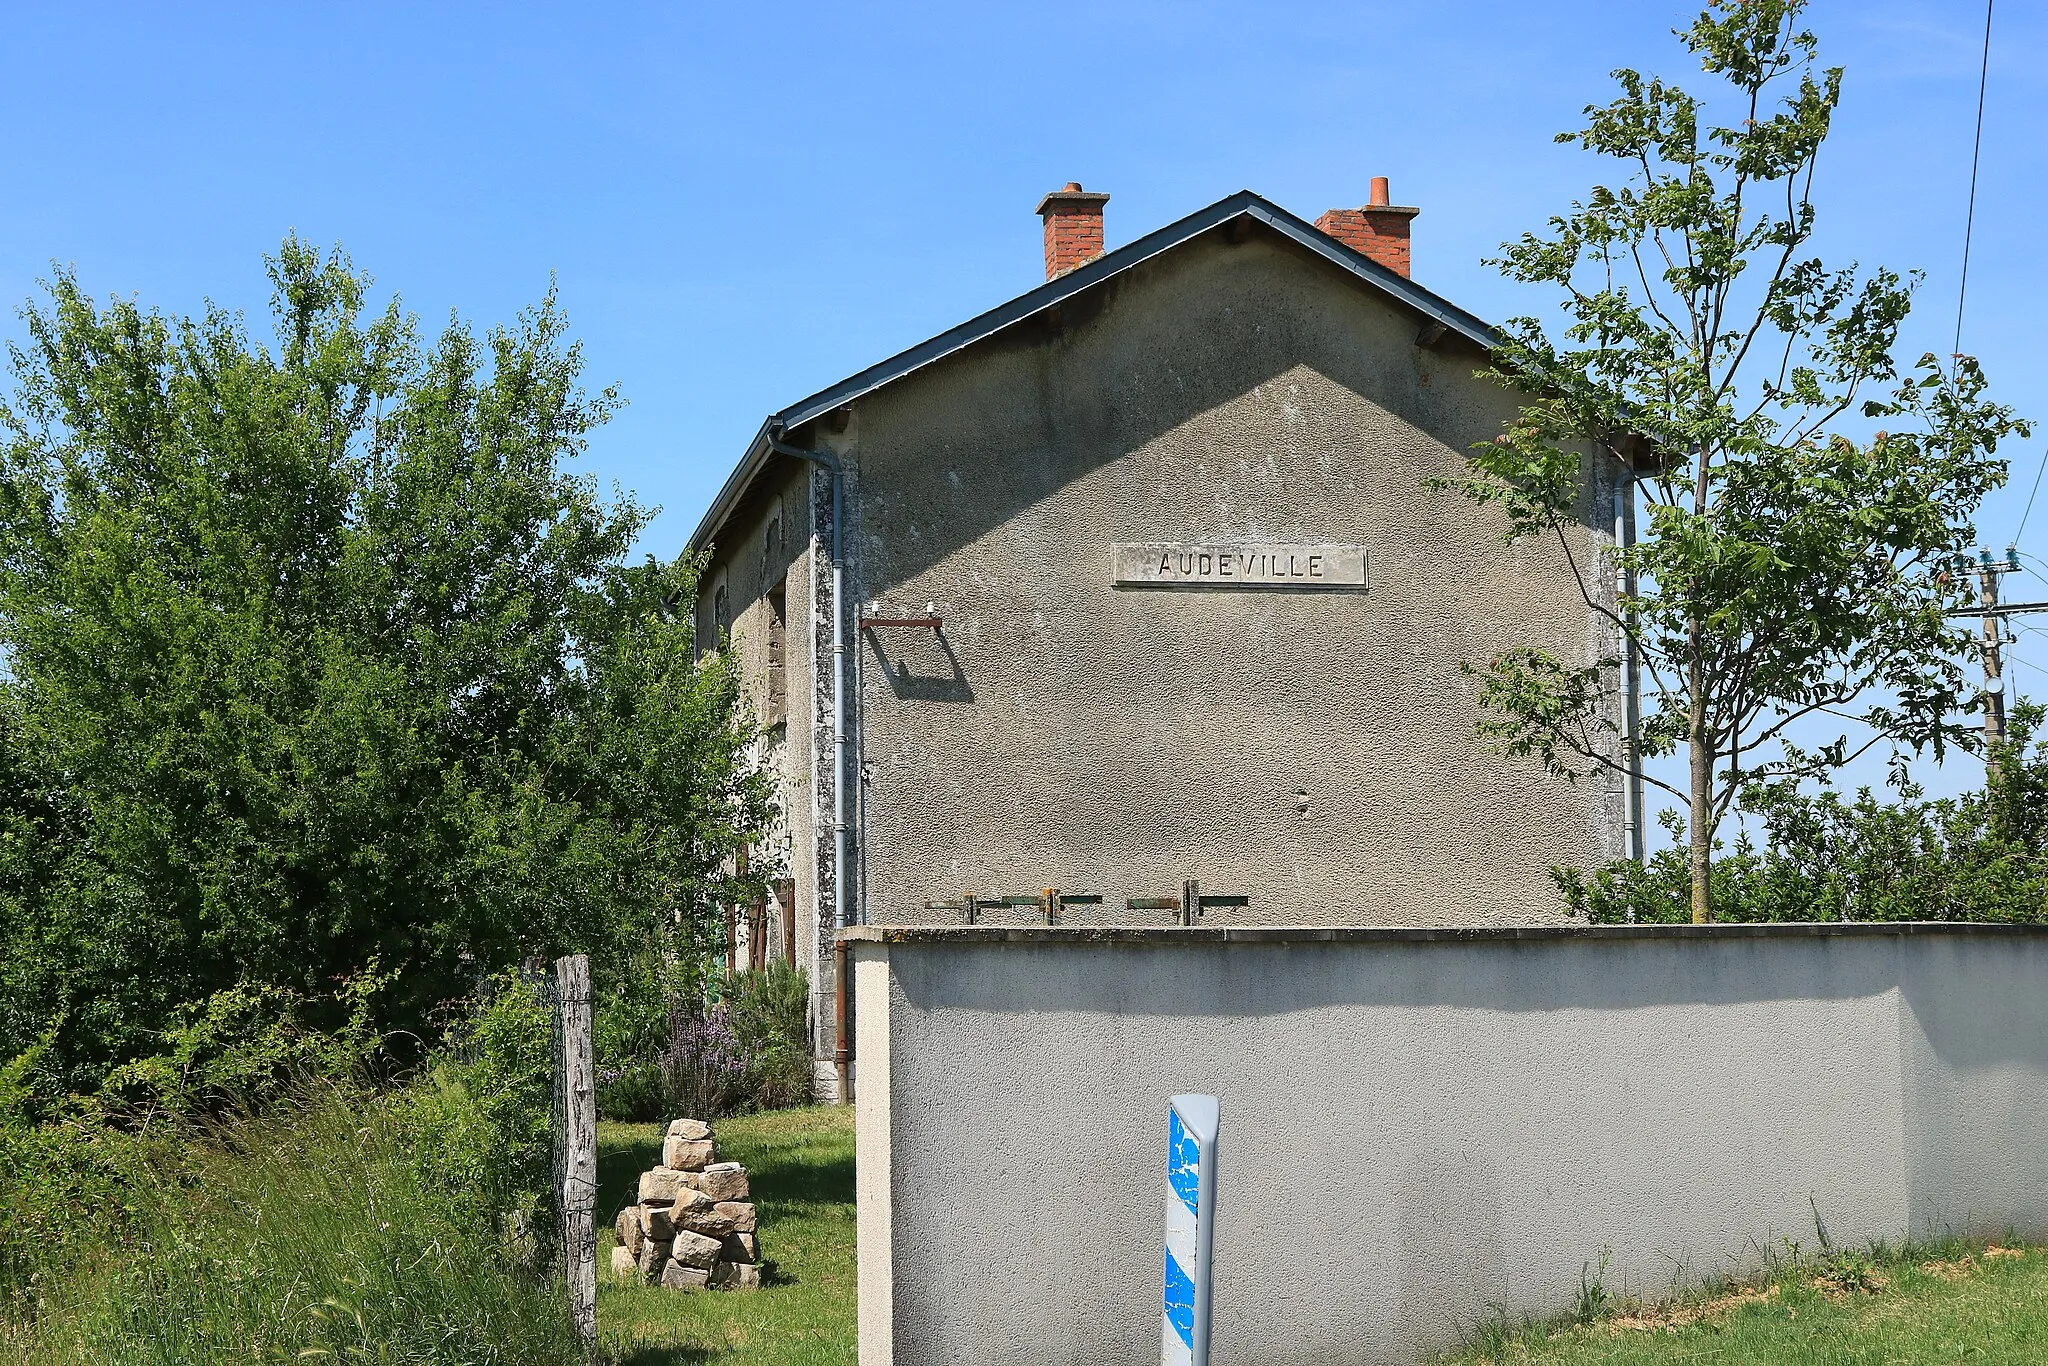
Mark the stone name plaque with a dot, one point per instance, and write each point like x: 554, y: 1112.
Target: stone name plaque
x: 1258, y: 565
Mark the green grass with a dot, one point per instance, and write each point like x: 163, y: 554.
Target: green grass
x: 307, y: 1236
x: 800, y: 1164
x: 1950, y: 1304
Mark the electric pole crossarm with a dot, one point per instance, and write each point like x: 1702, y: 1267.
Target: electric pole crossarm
x: 2003, y: 609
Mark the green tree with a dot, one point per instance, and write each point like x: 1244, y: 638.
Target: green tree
x: 316, y: 656
x: 1785, y: 578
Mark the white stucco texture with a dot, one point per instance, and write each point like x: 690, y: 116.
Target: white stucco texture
x: 1419, y: 1127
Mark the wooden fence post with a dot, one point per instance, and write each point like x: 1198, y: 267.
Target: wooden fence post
x: 579, y: 1171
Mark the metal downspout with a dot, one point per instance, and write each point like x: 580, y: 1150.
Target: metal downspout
x: 842, y: 1050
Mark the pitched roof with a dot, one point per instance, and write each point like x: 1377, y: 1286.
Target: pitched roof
x: 1243, y: 204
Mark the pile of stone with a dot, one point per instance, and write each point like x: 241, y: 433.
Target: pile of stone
x: 693, y: 1226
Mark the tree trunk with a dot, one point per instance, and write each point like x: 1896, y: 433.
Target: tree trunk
x: 1698, y: 827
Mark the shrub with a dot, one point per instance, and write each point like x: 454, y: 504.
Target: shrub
x: 246, y: 1045
x: 637, y: 992
x: 325, y: 1217
x: 749, y: 1050
x: 771, y: 1012
x: 454, y: 727
x: 674, y: 1037
x: 478, y: 1122
x: 707, y: 1072
x: 1982, y: 856
x: 69, y: 1189
x: 75, y: 1170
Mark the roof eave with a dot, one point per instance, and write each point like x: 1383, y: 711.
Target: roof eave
x: 735, y: 487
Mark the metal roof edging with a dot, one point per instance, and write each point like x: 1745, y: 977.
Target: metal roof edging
x: 733, y: 489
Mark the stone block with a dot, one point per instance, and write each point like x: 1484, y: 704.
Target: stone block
x: 713, y: 1221
x: 653, y: 1257
x: 742, y: 1215
x: 627, y: 1229
x: 690, y: 1130
x: 688, y: 1154
x: 676, y: 1276
x: 686, y: 1200
x: 694, y: 1249
x: 741, y: 1247
x: 659, y: 1186
x: 625, y: 1266
x: 735, y: 1276
x: 657, y: 1222
x: 723, y: 1181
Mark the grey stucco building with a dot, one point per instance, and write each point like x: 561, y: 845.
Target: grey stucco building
x: 1140, y: 578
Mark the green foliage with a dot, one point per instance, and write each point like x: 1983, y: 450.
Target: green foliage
x: 454, y: 1163
x: 747, y: 1050
x: 638, y: 993
x: 675, y: 1038
x: 1593, y: 1292
x: 1947, y: 1300
x: 477, y: 1123
x: 631, y: 1090
x: 69, y: 1190
x: 317, y: 657
x: 1787, y: 576
x: 770, y: 1012
x: 305, y: 1236
x: 244, y: 1046
x: 76, y: 1170
x: 720, y: 1044
x: 1979, y: 857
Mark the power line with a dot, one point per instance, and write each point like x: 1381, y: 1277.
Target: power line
x: 2030, y: 497
x: 1970, y: 220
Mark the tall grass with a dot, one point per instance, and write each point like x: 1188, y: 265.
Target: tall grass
x: 316, y: 1233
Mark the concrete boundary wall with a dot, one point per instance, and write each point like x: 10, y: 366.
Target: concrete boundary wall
x: 1418, y: 1125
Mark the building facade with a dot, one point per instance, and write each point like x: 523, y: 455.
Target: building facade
x: 1143, y: 579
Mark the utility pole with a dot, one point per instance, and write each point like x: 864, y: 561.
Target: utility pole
x: 1994, y: 637
x: 1994, y: 613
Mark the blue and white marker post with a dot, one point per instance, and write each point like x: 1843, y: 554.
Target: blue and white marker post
x: 1190, y: 1223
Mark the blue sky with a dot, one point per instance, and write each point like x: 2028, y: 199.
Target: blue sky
x: 744, y: 203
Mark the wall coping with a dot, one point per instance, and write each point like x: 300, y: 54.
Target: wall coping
x: 1207, y: 935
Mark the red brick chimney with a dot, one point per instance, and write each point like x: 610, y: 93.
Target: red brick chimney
x: 1073, y: 228
x: 1379, y: 230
